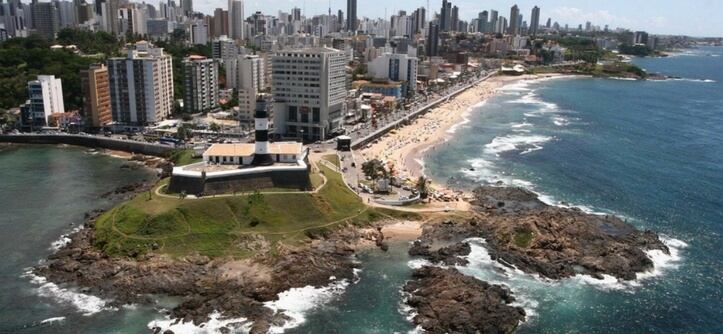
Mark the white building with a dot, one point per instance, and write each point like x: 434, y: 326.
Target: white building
x: 224, y: 47
x: 141, y: 85
x: 397, y: 67
x: 199, y: 32
x: 246, y: 74
x: 200, y: 84
x: 308, y: 86
x: 46, y: 97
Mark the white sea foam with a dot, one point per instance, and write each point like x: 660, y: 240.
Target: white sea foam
x: 560, y: 121
x: 515, y: 142
x: 295, y: 303
x: 63, y: 241
x: 418, y: 263
x: 454, y: 127
x: 215, y: 324
x: 52, y: 320
x: 86, y: 304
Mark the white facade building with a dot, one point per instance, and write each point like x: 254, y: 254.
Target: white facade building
x: 247, y: 75
x: 308, y: 86
x: 397, y: 67
x: 141, y: 85
x: 46, y: 97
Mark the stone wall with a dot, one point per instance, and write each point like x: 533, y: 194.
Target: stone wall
x: 292, y: 180
x: 90, y: 141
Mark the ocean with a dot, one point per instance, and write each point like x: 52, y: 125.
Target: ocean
x: 648, y: 151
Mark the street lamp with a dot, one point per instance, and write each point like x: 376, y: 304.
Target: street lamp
x: 302, y: 135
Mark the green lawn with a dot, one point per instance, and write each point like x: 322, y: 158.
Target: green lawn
x: 333, y: 158
x: 211, y: 226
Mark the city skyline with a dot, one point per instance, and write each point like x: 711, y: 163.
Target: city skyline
x: 662, y: 17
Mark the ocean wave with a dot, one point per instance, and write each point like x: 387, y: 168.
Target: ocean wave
x: 296, y: 302
x: 86, y: 304
x: 465, y: 119
x: 418, y: 263
x: 515, y: 142
x: 52, y: 320
x: 215, y: 324
x: 63, y: 241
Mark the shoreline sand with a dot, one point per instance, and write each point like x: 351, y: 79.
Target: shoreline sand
x: 406, y: 148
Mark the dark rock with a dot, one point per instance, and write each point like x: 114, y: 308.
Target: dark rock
x: 447, y: 301
x: 551, y: 241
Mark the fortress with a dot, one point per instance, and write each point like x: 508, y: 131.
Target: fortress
x: 246, y: 167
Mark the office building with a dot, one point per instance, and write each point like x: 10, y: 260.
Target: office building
x: 482, y: 22
x: 141, y: 85
x: 236, y: 19
x: 514, y: 28
x: 535, y: 21
x: 96, y: 95
x: 46, y: 19
x: 351, y: 18
x: 433, y: 40
x: 309, y: 88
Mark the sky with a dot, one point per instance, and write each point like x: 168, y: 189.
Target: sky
x: 700, y: 18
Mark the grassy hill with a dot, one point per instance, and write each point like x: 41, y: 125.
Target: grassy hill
x: 214, y: 226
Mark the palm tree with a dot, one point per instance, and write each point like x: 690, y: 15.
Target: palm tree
x: 214, y: 127
x: 422, y: 186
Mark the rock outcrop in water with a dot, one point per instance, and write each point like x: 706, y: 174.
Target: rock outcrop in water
x: 554, y: 242
x: 446, y: 301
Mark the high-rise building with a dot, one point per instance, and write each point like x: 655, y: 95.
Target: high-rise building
x: 454, y: 19
x: 96, y: 95
x: 514, y: 28
x: 46, y: 19
x: 187, y: 7
x: 200, y: 84
x: 420, y: 19
x: 445, y: 16
x: 535, y: 21
x: 494, y: 16
x: 223, y: 47
x: 309, y: 88
x: 246, y: 74
x: 220, y: 23
x: 236, y: 19
x: 433, y: 40
x: 482, y: 21
x: 141, y: 85
x: 199, y: 32
x: 351, y: 18
x: 46, y: 98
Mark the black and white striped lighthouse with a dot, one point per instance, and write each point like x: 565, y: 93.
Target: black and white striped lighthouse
x: 261, y: 147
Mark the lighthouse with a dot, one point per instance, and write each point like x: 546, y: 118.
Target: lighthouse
x: 261, y: 147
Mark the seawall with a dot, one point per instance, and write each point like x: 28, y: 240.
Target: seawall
x: 158, y: 150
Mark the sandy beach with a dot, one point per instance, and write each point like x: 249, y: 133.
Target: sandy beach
x: 406, y: 148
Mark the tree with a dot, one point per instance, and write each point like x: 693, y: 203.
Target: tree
x: 185, y: 131
x: 214, y: 127
x: 422, y: 185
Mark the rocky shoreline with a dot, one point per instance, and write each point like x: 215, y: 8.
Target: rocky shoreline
x: 237, y: 288
x: 520, y: 231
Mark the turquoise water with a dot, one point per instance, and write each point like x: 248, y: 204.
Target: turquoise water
x: 651, y: 152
